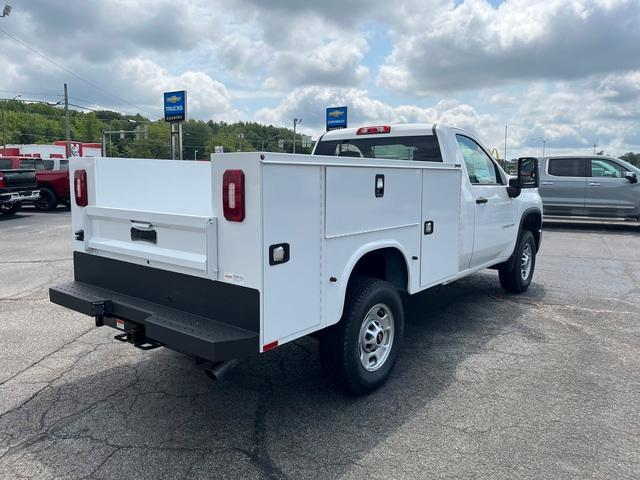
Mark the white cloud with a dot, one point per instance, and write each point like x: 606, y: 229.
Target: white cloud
x: 208, y: 98
x: 310, y: 103
x: 476, y: 45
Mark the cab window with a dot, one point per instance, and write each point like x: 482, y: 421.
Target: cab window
x: 567, y: 167
x: 27, y: 164
x: 422, y: 148
x: 606, y: 168
x: 480, y: 167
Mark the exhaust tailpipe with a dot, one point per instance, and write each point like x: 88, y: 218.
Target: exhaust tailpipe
x: 215, y: 371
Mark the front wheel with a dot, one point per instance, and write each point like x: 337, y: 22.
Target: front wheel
x: 360, y: 351
x: 517, y: 278
x: 9, y: 208
x: 47, y: 200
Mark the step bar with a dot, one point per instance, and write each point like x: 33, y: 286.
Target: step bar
x: 207, y: 319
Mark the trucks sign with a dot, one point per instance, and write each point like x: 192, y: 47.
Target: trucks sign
x: 175, y: 106
x: 336, y: 118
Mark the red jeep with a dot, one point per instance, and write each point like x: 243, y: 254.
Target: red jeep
x: 53, y: 184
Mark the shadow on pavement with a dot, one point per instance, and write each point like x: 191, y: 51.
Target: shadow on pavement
x: 119, y: 413
x: 29, y: 211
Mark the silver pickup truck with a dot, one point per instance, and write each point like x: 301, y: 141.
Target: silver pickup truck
x: 592, y: 186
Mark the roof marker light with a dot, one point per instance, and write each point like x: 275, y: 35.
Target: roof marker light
x: 374, y: 130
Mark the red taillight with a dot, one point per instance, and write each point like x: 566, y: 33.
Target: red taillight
x: 80, y: 187
x: 373, y: 130
x: 1, y: 180
x: 233, y: 195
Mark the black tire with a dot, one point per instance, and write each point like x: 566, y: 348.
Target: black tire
x: 9, y: 208
x: 340, y: 344
x: 47, y: 200
x: 513, y: 279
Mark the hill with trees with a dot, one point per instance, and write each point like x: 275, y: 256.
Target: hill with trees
x: 26, y: 122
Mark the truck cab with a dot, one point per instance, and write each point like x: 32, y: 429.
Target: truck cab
x: 18, y: 185
x: 489, y: 216
x: 52, y: 182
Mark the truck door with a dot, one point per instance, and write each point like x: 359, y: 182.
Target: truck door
x: 563, y: 186
x: 494, y: 223
x: 608, y: 192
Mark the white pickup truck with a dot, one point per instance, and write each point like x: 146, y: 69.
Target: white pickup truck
x: 223, y: 259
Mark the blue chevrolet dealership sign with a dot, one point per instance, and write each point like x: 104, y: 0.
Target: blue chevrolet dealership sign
x: 175, y: 106
x: 336, y: 118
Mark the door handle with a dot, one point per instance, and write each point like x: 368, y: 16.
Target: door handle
x: 594, y: 184
x: 547, y: 183
x: 482, y: 200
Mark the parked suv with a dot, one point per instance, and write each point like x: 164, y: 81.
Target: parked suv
x: 589, y: 186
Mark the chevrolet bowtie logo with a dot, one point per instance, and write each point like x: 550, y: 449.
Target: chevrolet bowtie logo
x: 174, y: 99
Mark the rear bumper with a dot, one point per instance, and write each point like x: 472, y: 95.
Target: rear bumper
x: 199, y: 317
x: 23, y: 196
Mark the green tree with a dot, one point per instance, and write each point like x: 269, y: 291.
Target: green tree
x: 632, y: 158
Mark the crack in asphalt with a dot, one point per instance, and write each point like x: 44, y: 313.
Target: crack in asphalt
x: 259, y: 454
x: 47, y: 356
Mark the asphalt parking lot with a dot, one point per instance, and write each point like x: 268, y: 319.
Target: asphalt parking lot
x: 490, y: 385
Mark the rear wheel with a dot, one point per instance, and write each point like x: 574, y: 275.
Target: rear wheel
x: 9, y: 208
x: 361, y: 350
x: 517, y: 278
x: 47, y: 200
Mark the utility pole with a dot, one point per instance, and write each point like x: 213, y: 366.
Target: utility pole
x: 296, y: 121
x: 594, y: 148
x: 66, y: 120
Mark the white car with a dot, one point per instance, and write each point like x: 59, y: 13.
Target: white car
x: 241, y: 255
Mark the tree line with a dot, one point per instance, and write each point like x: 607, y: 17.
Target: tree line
x: 23, y: 123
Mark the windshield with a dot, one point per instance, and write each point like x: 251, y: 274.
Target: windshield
x: 423, y: 148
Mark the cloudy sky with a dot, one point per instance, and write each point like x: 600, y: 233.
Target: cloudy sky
x: 564, y: 70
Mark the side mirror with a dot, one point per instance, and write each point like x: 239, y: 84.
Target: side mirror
x: 527, y: 176
x: 514, y: 189
x: 631, y: 176
x: 528, y: 172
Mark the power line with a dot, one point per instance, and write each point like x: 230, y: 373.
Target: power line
x: 97, y: 87
x: 101, y: 106
x: 33, y: 93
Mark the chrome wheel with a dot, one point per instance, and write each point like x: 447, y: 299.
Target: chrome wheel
x: 525, y: 261
x: 376, y: 337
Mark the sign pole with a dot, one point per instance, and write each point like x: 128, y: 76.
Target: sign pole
x: 173, y: 141
x: 180, y: 141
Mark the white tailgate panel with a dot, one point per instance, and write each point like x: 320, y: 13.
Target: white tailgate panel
x: 168, y: 186
x: 181, y: 240
x: 292, y: 209
x: 171, y: 198
x: 441, y: 205
x: 352, y: 206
